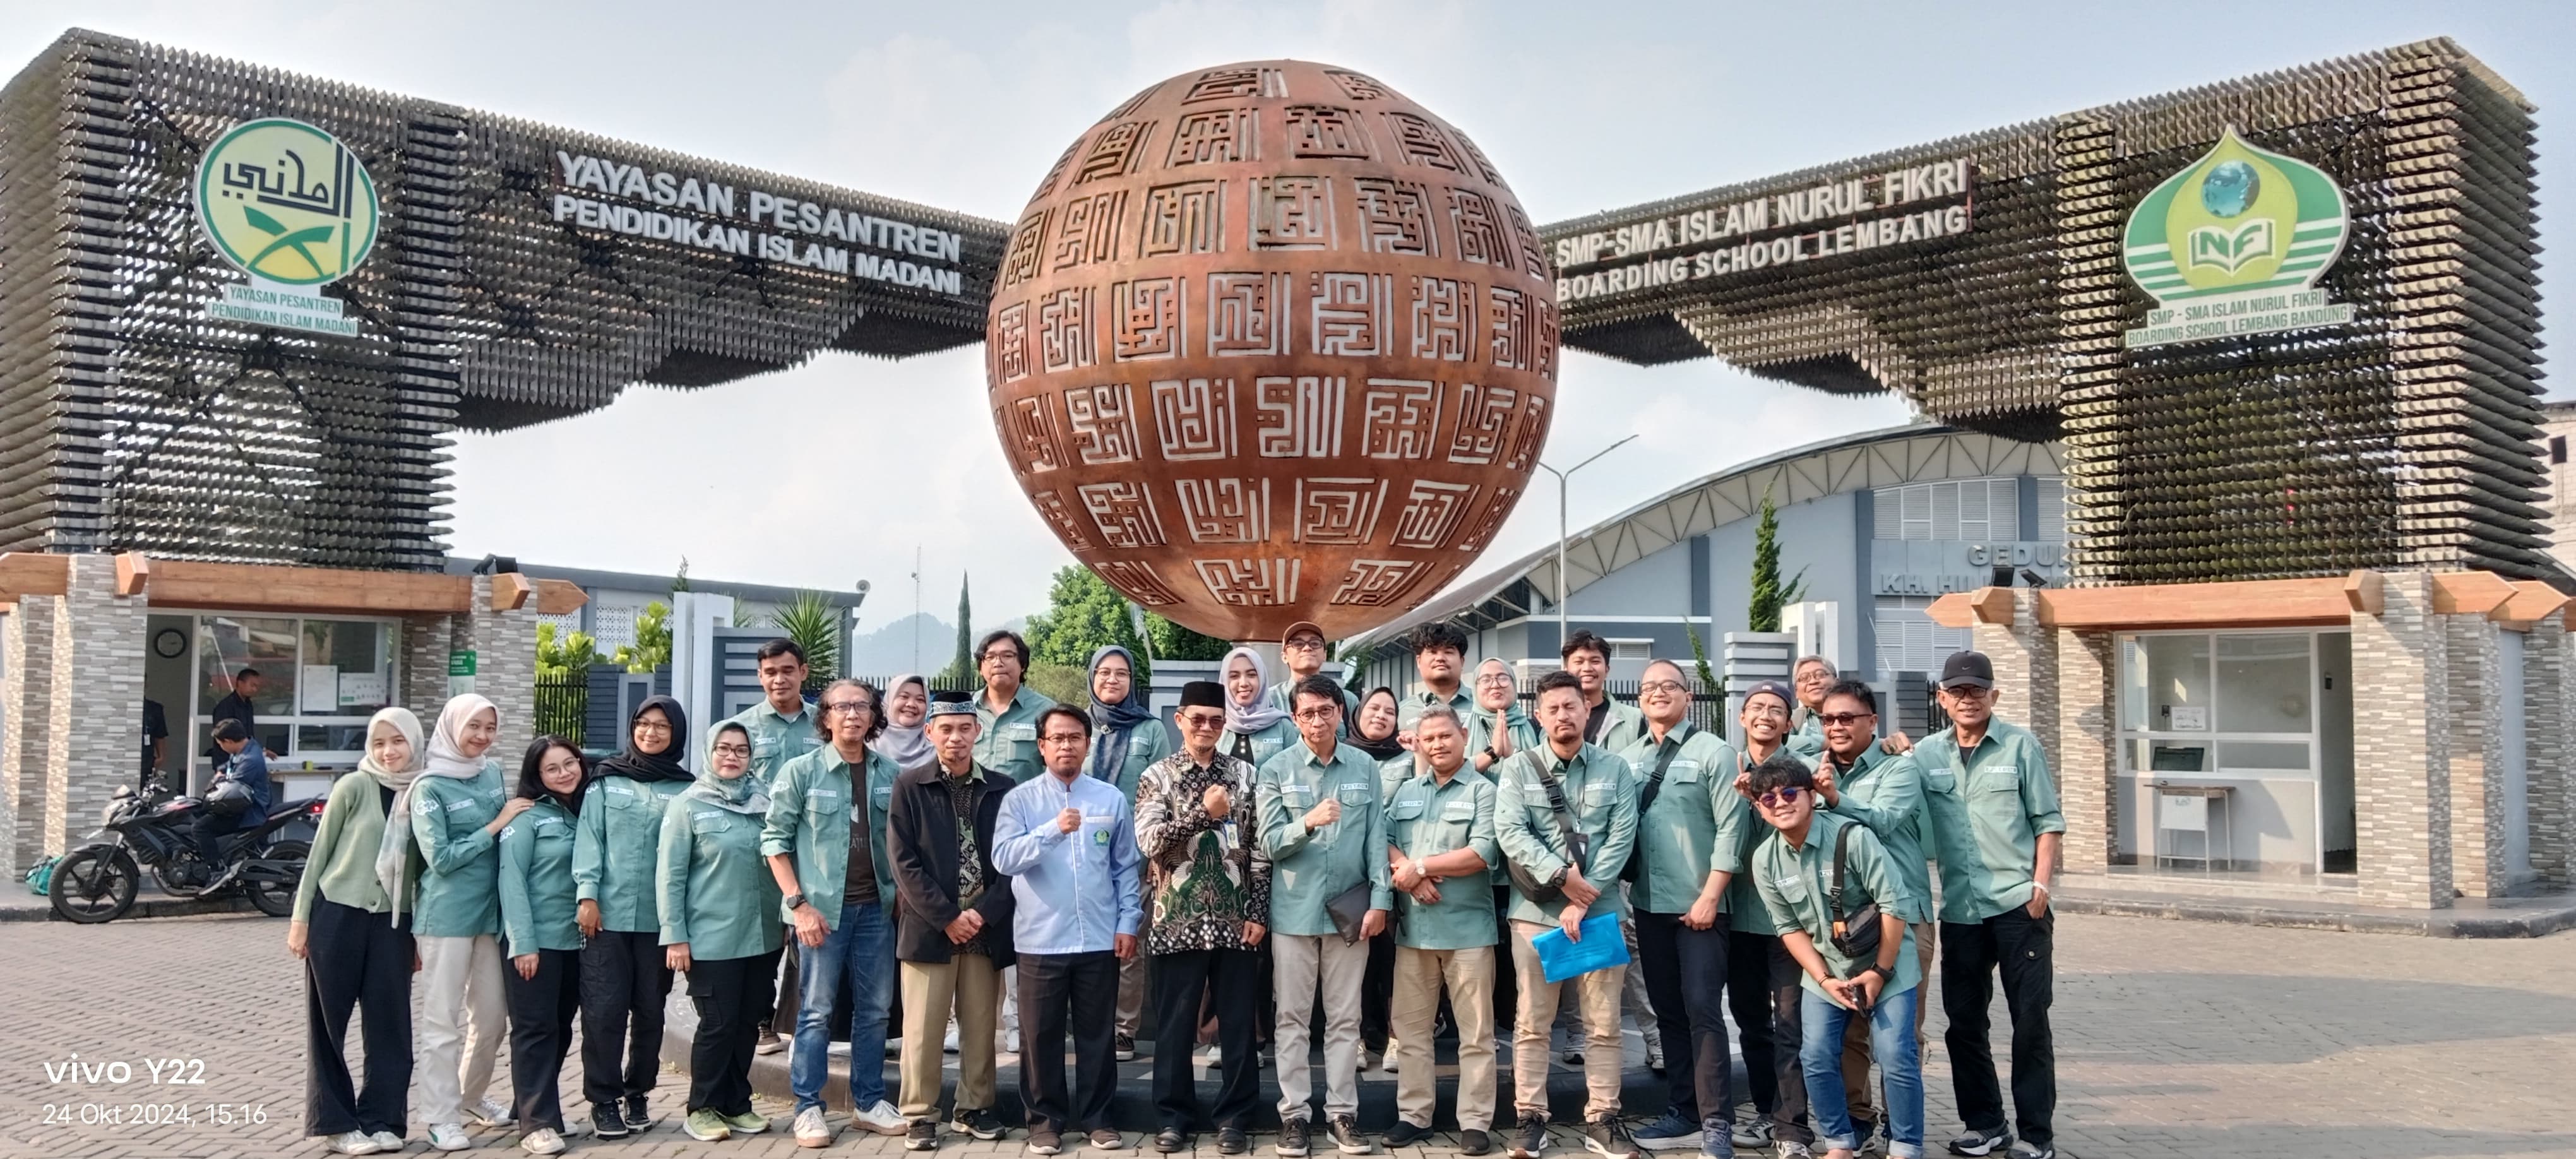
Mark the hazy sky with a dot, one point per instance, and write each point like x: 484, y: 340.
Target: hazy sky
x: 1583, y: 106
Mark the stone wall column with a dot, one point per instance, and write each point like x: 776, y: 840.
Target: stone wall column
x: 2401, y: 748
x: 2025, y: 658
x: 26, y: 721
x: 425, y: 644
x: 2087, y: 757
x: 96, y: 700
x: 2545, y: 712
x: 2475, y: 686
x: 505, y: 647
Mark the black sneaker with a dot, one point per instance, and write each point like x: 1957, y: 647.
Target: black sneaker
x: 1347, y: 1138
x: 1607, y: 1136
x: 1532, y: 1142
x: 922, y: 1135
x: 1124, y: 1048
x: 638, y: 1119
x: 1474, y: 1142
x: 1976, y: 1142
x: 1233, y: 1141
x: 606, y: 1123
x: 1044, y: 1140
x: 980, y: 1122
x: 1293, y: 1138
x: 1404, y: 1134
x: 1171, y: 1139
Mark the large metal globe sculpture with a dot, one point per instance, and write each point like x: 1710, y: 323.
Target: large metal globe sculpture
x: 1273, y: 343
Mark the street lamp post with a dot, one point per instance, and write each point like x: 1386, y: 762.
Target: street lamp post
x: 1560, y: 526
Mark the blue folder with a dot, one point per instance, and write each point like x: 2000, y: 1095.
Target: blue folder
x: 1560, y: 957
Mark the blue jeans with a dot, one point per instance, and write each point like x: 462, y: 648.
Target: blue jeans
x: 1891, y: 1041
x: 860, y: 952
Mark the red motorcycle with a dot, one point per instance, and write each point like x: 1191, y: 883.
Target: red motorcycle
x: 97, y: 881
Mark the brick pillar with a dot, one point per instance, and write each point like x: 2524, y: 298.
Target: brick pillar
x: 425, y: 643
x: 2087, y: 759
x: 26, y: 720
x: 96, y: 700
x: 505, y: 647
x: 2546, y: 708
x: 2477, y: 746
x: 2401, y: 748
x: 2025, y: 657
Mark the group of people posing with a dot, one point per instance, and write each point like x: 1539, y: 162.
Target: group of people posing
x: 1377, y: 866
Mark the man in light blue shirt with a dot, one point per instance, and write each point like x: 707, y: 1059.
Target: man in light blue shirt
x: 1068, y: 843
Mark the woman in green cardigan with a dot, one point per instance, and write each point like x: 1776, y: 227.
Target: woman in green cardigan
x: 539, y: 934
x: 720, y: 925
x: 357, y: 951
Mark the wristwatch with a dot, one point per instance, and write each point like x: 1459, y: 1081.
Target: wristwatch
x: 1884, y: 974
x: 795, y: 901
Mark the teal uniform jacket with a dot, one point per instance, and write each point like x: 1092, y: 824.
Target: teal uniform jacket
x: 1808, y: 739
x: 537, y: 903
x: 1987, y: 808
x: 1307, y: 868
x: 1009, y: 743
x: 614, y: 850
x: 1409, y: 707
x: 1744, y: 908
x: 460, y: 890
x: 1885, y: 793
x: 1150, y: 742
x: 775, y: 739
x: 1694, y: 828
x: 1624, y: 725
x: 1797, y: 887
x: 1425, y: 818
x: 809, y: 819
x: 1517, y: 725
x: 1265, y: 744
x: 717, y: 894
x: 1600, y: 792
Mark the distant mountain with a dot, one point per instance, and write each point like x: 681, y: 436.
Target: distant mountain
x: 888, y: 651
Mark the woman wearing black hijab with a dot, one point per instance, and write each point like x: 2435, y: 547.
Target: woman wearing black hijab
x: 1373, y: 731
x: 624, y: 983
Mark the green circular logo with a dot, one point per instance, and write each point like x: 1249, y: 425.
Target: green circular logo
x: 287, y: 202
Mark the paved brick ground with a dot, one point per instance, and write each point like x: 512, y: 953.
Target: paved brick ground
x: 2173, y: 1039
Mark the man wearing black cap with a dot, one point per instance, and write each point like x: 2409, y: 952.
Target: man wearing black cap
x: 953, y: 936
x: 1995, y: 830
x: 1207, y: 881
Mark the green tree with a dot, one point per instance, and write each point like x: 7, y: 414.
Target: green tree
x: 1699, y: 659
x: 1175, y: 642
x: 1084, y: 614
x: 652, y: 646
x: 1769, y: 594
x: 680, y: 582
x: 815, y: 624
x: 960, y: 672
x: 567, y: 660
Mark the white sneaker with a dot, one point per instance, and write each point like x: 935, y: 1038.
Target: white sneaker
x: 1215, y: 1055
x: 542, y: 1141
x: 811, y: 1130
x: 448, y: 1137
x: 388, y: 1143
x: 881, y: 1118
x: 949, y: 1044
x: 490, y: 1113
x: 351, y: 1143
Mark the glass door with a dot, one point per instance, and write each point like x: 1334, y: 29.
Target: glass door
x: 2220, y: 752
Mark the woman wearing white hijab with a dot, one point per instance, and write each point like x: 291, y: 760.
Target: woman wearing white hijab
x: 357, y: 952
x: 456, y: 811
x: 905, y: 739
x: 1254, y: 727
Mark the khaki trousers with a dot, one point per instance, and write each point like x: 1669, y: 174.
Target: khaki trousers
x: 1303, y: 969
x: 1856, y: 1056
x: 464, y: 1023
x: 1596, y: 997
x: 969, y: 986
x: 1131, y: 979
x: 1419, y: 975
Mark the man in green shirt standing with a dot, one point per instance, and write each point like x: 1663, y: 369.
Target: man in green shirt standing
x: 1614, y: 726
x: 1325, y: 831
x: 1599, y: 807
x: 1690, y: 838
x: 1996, y: 829
x: 1007, y: 708
x: 1857, y: 779
x: 1440, y: 854
x: 1303, y: 649
x: 1440, y: 659
x: 1812, y: 675
x: 781, y: 731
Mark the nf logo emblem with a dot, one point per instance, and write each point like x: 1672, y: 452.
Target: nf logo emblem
x: 2234, y: 244
x: 287, y: 202
x: 1100, y: 837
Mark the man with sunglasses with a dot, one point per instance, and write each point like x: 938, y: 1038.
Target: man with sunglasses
x: 1303, y: 650
x: 825, y: 840
x: 1761, y: 977
x: 1857, y: 779
x: 1209, y: 884
x: 1995, y: 825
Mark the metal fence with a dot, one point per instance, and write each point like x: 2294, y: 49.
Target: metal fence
x: 560, y: 706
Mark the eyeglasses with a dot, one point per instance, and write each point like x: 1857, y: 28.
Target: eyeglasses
x: 1304, y: 644
x: 1769, y: 711
x: 1662, y: 686
x: 1784, y: 795
x: 733, y: 750
x: 659, y: 726
x: 1495, y: 678
x: 1000, y: 654
x: 1320, y: 712
x: 844, y: 706
x: 1845, y: 719
x: 1203, y: 721
x: 1064, y: 738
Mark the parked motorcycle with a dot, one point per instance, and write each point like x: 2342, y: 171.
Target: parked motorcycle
x: 97, y: 881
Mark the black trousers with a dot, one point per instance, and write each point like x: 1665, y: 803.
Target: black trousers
x: 1060, y: 992
x: 1507, y: 987
x: 2018, y: 948
x: 1748, y: 995
x: 623, y: 987
x: 541, y: 1013
x: 782, y: 1009
x: 1377, y: 992
x: 1789, y: 1107
x: 732, y: 996
x: 1234, y: 983
x: 1686, y: 981
x: 355, y: 960
x: 213, y: 823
